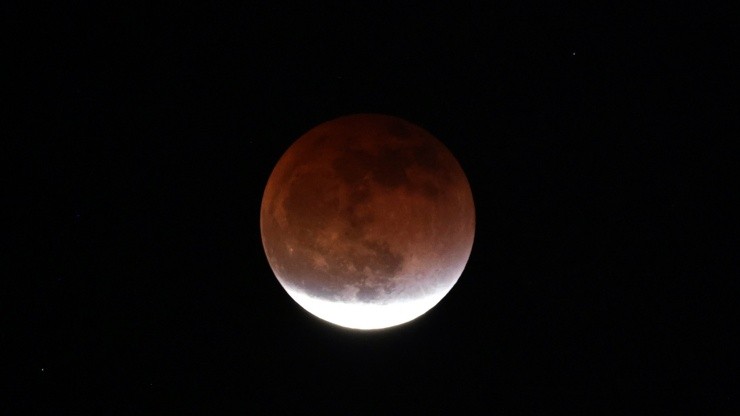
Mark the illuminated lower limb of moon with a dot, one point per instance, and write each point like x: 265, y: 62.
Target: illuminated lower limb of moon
x: 362, y: 315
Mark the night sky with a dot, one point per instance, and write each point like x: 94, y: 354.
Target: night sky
x: 142, y: 140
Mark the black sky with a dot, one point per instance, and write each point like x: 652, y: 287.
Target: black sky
x: 143, y: 138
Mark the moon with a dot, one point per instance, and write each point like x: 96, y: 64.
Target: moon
x: 367, y: 221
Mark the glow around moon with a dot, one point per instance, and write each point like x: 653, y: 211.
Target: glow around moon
x: 367, y: 221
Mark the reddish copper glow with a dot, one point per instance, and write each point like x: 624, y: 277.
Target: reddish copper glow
x: 367, y: 221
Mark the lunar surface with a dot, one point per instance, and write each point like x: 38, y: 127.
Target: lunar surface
x: 367, y: 221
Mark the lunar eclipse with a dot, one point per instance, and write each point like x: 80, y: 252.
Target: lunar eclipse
x: 367, y: 221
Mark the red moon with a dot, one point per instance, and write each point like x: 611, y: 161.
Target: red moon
x: 367, y: 221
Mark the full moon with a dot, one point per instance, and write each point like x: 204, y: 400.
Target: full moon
x: 367, y: 221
